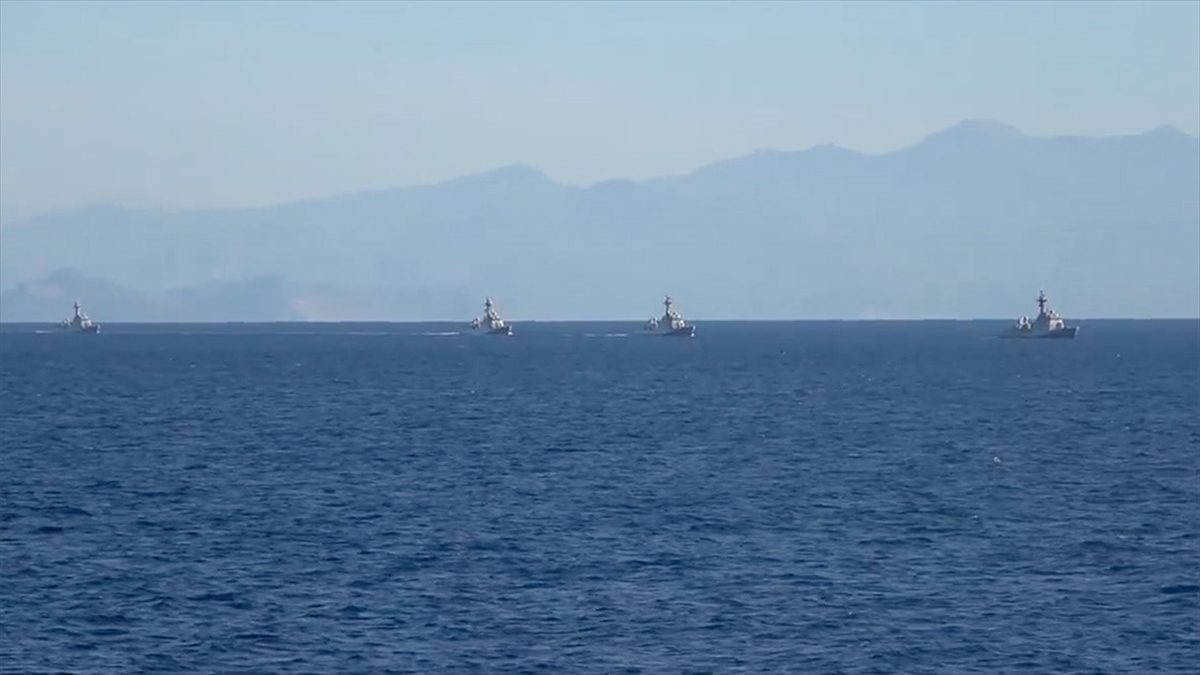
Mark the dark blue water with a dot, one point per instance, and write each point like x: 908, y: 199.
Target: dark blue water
x: 806, y: 497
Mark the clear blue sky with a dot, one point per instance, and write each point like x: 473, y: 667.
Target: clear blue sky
x: 221, y: 104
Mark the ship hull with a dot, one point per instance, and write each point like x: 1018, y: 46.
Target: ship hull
x: 507, y: 330
x: 1067, y: 333
x: 686, y: 331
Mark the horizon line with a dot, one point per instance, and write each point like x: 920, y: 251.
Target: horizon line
x: 515, y: 322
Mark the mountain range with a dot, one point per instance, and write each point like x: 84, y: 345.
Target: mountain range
x: 969, y: 222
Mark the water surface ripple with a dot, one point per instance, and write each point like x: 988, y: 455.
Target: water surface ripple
x: 803, y: 497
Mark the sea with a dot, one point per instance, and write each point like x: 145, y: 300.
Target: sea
x: 792, y: 497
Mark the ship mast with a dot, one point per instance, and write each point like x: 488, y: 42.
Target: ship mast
x: 1041, y: 301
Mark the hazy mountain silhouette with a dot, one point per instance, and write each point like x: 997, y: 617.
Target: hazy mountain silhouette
x: 971, y: 221
x: 258, y: 299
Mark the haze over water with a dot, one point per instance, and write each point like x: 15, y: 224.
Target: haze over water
x: 387, y: 161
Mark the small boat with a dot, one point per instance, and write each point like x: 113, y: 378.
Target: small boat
x: 490, y: 322
x: 671, y: 323
x: 79, y: 323
x: 1048, y: 324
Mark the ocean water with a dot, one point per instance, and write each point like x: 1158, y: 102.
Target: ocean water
x: 767, y: 497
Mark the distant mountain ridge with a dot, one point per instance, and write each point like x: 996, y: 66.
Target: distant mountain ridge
x: 259, y: 299
x: 968, y: 222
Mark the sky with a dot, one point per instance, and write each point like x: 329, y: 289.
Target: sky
x: 205, y: 105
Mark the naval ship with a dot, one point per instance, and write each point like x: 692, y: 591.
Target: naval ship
x: 1048, y: 324
x: 490, y: 322
x: 80, y: 323
x: 671, y: 323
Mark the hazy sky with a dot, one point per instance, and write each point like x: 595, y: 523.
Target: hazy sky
x: 226, y: 104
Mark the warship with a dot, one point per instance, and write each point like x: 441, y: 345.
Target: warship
x: 1048, y: 324
x: 79, y: 323
x: 671, y: 323
x: 491, y: 323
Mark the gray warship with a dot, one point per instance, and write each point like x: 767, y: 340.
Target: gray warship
x: 79, y: 323
x: 1048, y: 324
x: 491, y: 323
x: 671, y: 324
